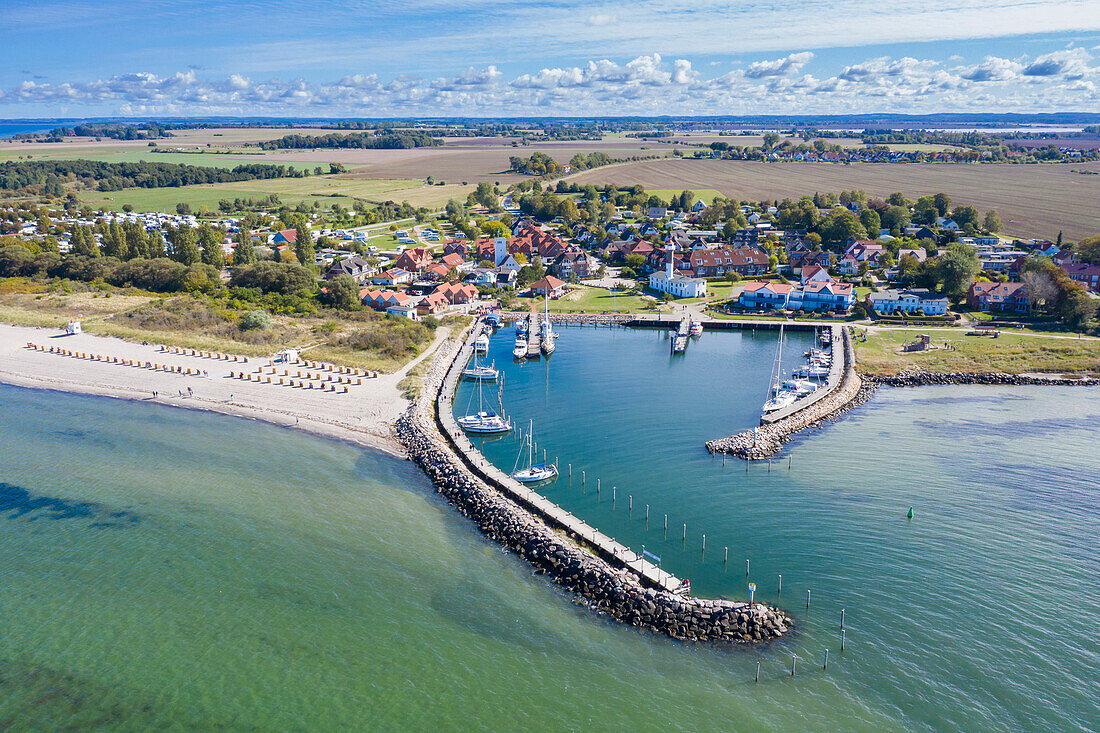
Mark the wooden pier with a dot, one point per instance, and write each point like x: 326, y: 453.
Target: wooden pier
x: 534, y: 341
x: 680, y: 339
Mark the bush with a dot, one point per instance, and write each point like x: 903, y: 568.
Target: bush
x: 274, y: 277
x: 255, y: 321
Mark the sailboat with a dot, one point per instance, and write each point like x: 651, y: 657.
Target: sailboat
x: 532, y: 473
x: 548, y: 336
x: 480, y: 371
x: 778, y: 396
x: 484, y: 420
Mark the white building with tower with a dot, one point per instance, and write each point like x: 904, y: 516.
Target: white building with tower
x: 671, y: 282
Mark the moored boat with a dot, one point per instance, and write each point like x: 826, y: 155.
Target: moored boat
x: 481, y: 344
x: 480, y: 371
x: 531, y: 472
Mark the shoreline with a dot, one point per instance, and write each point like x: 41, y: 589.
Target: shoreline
x: 364, y: 416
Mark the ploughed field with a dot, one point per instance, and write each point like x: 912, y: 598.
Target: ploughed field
x: 1033, y: 200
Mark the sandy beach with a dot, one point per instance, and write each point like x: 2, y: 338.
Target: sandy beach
x: 364, y: 415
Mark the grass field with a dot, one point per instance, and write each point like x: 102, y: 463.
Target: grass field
x: 586, y: 299
x: 1013, y: 353
x: 1033, y: 200
x: 342, y: 189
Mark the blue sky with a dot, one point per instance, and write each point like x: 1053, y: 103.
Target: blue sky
x: 563, y: 57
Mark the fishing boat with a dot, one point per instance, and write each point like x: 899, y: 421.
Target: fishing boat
x: 778, y: 396
x: 519, y: 351
x: 521, y: 326
x: 481, y: 344
x: 532, y: 473
x: 485, y: 420
x: 696, y: 328
x: 480, y: 371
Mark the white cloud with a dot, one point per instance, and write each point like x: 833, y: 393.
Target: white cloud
x: 778, y: 67
x: 646, y: 84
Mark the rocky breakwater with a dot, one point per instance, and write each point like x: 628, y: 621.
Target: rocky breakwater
x: 924, y: 379
x: 607, y: 589
x: 591, y: 319
x: 765, y: 441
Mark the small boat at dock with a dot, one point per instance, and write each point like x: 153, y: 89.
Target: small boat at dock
x: 696, y: 328
x: 519, y: 351
x: 485, y: 421
x: 481, y: 344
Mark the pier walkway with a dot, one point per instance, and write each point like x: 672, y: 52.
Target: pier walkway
x: 614, y: 552
x: 534, y: 340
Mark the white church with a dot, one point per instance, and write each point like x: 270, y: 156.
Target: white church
x: 671, y: 282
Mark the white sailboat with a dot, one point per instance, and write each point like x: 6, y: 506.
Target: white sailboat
x: 548, y: 336
x: 532, y: 473
x: 484, y: 420
x: 480, y: 371
x: 778, y: 396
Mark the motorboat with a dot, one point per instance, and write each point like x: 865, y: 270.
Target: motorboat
x: 696, y: 328
x: 813, y: 371
x: 519, y: 351
x: 493, y: 320
x: 531, y: 472
x: 481, y: 344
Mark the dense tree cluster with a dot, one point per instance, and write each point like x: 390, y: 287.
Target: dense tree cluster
x: 367, y: 140
x: 50, y: 176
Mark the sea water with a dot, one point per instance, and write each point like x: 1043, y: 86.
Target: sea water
x: 167, y: 568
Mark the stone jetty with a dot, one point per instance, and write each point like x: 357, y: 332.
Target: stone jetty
x: 925, y: 379
x: 609, y: 588
x: 765, y: 441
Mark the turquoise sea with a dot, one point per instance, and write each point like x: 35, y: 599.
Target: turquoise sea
x: 168, y: 569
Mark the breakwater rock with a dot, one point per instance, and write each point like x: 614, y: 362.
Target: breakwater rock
x: 923, y: 379
x: 605, y: 588
x: 587, y: 319
x: 765, y: 441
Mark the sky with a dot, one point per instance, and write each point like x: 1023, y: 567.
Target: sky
x: 484, y: 58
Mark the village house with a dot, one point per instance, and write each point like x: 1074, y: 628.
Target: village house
x: 286, y: 236
x: 404, y: 310
x: 990, y: 297
x: 919, y: 253
x: 458, y: 293
x: 431, y: 304
x: 574, y: 262
x: 815, y: 273
x: 717, y: 262
x: 355, y: 266
x: 393, y: 277
x: 801, y: 260
x: 548, y: 287
x: 414, y: 260
x: 907, y: 301
x: 815, y: 296
x: 1084, y: 273
x: 383, y: 299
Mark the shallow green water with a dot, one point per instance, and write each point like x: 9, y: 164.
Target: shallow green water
x: 161, y: 568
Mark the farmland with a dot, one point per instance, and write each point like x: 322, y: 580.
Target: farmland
x: 1033, y: 200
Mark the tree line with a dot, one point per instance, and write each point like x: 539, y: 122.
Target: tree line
x: 357, y: 140
x: 50, y: 176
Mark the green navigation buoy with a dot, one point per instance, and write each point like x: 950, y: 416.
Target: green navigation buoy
x: 909, y: 514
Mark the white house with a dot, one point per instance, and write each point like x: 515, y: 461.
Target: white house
x: 671, y: 282
x: 908, y: 301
